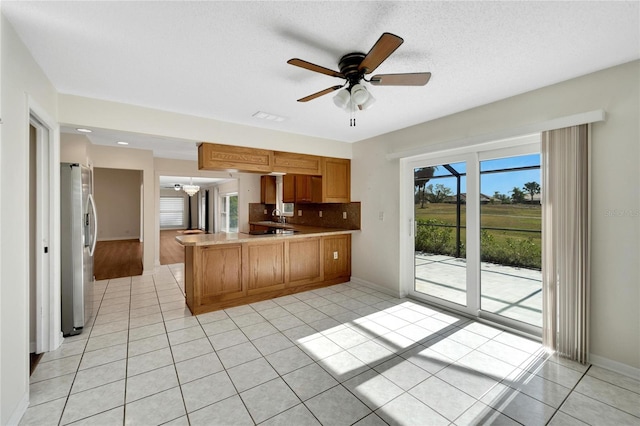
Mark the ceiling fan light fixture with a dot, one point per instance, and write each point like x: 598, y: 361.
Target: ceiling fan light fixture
x: 342, y: 99
x: 359, y: 94
x: 368, y: 103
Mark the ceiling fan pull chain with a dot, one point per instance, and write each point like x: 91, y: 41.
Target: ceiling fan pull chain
x: 352, y: 113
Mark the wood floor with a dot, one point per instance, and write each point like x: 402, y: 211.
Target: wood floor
x: 116, y: 259
x: 171, y: 251
x: 123, y: 258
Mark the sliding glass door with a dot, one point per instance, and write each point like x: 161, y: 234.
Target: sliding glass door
x: 475, y: 233
x: 511, y: 238
x: 440, y: 231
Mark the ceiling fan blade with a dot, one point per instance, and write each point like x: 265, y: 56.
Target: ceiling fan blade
x: 318, y: 94
x: 313, y: 67
x: 384, y: 47
x: 410, y: 79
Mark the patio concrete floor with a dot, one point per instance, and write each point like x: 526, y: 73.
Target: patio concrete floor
x: 514, y: 293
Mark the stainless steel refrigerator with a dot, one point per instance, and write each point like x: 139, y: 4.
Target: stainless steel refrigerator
x: 78, y: 229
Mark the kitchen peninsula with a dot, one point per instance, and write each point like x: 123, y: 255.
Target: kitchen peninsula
x: 230, y: 269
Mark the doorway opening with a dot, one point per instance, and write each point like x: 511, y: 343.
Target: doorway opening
x: 119, y: 250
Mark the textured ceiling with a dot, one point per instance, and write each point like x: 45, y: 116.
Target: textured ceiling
x: 227, y: 60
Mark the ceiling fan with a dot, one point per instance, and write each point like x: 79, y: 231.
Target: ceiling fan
x: 353, y: 68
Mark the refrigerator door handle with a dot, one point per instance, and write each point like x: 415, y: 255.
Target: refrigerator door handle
x: 95, y: 221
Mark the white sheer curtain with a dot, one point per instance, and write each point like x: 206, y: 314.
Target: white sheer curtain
x: 565, y: 240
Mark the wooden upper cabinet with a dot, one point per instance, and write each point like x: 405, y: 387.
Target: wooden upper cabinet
x: 301, y: 189
x: 268, y: 189
x: 299, y: 164
x: 308, y: 189
x: 289, y: 188
x: 322, y: 179
x: 213, y: 156
x: 336, y: 180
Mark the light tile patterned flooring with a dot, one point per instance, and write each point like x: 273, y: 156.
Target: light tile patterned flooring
x: 340, y: 355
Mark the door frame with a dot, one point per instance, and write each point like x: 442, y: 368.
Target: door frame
x: 48, y: 326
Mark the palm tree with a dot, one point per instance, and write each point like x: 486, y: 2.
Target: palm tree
x: 421, y: 176
x: 532, y: 188
x: 517, y: 196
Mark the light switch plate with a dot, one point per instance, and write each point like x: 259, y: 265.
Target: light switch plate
x: 299, y: 212
x: 320, y: 213
x: 344, y: 215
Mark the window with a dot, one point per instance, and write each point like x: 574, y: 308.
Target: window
x: 229, y: 212
x: 171, y: 212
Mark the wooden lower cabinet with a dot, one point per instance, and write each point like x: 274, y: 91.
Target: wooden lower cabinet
x: 223, y: 275
x: 214, y: 274
x: 337, y: 256
x: 304, y: 261
x: 264, y: 266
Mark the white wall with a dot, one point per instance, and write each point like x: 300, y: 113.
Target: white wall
x: 615, y: 275
x: 117, y: 196
x: 20, y: 78
x: 74, y: 149
x: 111, y: 115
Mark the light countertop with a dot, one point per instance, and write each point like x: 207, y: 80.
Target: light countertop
x: 235, y: 238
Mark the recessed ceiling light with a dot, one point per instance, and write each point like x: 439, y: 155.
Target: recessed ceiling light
x: 82, y: 130
x: 267, y: 116
x: 123, y: 143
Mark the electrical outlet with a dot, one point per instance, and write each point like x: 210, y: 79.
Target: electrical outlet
x: 265, y: 211
x: 335, y: 255
x: 344, y: 215
x: 381, y: 215
x: 299, y: 212
x: 320, y: 213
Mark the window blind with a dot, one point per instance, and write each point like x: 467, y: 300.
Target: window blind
x: 171, y: 212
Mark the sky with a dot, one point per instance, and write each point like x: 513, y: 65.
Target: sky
x: 492, y: 182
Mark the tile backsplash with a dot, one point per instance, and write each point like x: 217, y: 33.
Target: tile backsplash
x: 332, y: 214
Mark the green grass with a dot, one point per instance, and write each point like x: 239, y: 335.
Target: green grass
x: 506, y: 246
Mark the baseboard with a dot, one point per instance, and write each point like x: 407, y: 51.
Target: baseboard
x: 58, y: 338
x: 616, y: 366
x: 374, y: 286
x: 124, y: 238
x: 17, y: 414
